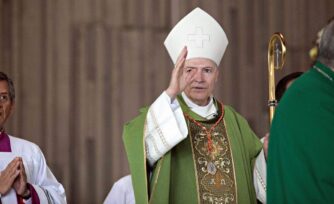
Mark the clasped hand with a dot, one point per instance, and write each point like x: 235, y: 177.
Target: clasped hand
x: 14, y: 176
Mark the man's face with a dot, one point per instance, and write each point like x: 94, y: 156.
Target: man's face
x: 205, y: 75
x: 5, y: 103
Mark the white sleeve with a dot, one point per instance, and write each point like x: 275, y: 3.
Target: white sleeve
x: 165, y: 127
x: 9, y: 198
x: 260, y: 177
x: 121, y: 192
x: 45, y: 184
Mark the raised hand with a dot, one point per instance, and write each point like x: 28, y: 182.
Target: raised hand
x: 179, y: 81
x: 8, y: 175
x: 20, y: 183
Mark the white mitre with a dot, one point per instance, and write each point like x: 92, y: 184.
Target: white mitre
x: 202, y: 35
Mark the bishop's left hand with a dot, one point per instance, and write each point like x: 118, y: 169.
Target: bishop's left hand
x: 20, y: 183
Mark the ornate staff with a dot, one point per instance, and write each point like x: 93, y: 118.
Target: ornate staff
x: 276, y: 59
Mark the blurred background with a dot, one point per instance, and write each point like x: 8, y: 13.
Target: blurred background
x: 83, y: 68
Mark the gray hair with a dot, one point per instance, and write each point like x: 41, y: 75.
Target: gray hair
x: 11, y: 89
x: 326, y: 47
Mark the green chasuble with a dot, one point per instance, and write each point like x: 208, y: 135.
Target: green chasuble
x: 190, y: 172
x: 300, y: 158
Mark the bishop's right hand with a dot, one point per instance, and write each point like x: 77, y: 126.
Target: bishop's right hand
x: 179, y: 80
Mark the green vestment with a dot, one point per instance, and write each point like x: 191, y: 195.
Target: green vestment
x: 300, y: 158
x: 174, y: 175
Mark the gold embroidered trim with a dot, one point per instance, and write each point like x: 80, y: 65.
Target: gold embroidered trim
x: 144, y: 146
x: 156, y: 178
x: 147, y: 151
x: 156, y: 149
x: 159, y: 164
x: 156, y: 127
x: 261, y: 179
x: 215, y: 172
x: 236, y: 184
x: 194, y: 160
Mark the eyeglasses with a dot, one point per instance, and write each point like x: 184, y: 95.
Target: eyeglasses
x: 4, y: 98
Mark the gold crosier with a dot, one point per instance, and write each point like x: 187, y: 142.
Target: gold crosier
x: 276, y: 60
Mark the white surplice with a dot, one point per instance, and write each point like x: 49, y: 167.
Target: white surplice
x: 47, y: 187
x: 166, y: 127
x: 260, y: 177
x: 121, y: 192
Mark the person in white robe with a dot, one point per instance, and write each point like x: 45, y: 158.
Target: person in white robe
x: 24, y: 174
